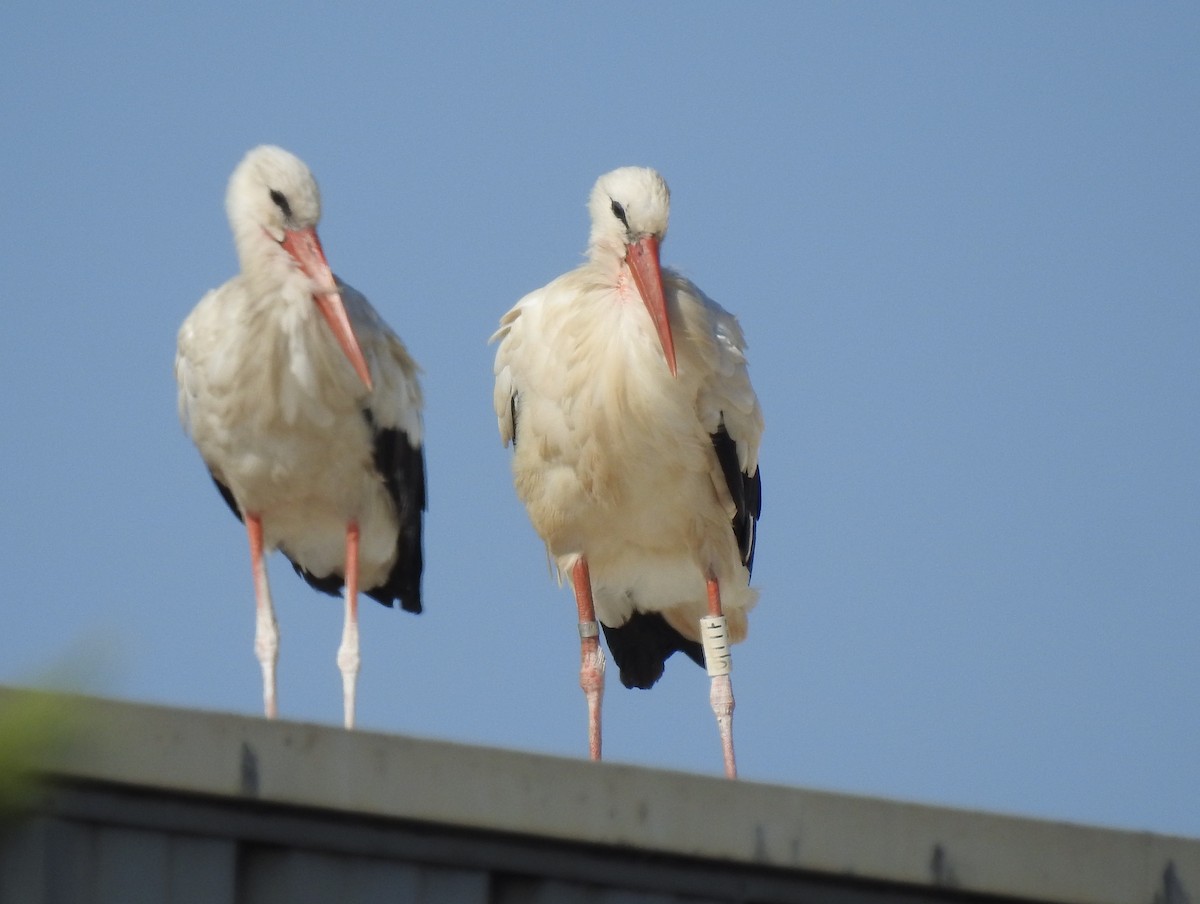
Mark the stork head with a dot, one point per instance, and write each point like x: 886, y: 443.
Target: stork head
x: 630, y: 207
x: 274, y: 205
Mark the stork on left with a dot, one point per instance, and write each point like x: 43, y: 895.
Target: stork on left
x: 306, y: 408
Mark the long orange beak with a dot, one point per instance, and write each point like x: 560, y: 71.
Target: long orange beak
x: 642, y: 257
x: 305, y: 248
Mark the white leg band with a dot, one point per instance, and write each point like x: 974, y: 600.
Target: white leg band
x: 588, y: 629
x: 715, y: 636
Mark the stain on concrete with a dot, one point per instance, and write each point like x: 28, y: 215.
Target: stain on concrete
x: 249, y: 771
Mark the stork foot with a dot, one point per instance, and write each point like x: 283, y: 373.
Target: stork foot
x: 591, y: 657
x: 266, y: 629
x: 718, y: 661
x: 266, y: 649
x: 349, y: 661
x: 591, y: 680
x: 721, y: 697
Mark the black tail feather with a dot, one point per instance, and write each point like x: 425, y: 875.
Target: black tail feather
x: 642, y: 646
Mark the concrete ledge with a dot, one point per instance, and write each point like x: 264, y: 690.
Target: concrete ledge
x: 235, y: 758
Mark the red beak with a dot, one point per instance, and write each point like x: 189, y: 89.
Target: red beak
x: 642, y: 257
x: 305, y: 248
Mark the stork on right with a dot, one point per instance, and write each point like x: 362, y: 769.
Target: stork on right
x: 625, y: 393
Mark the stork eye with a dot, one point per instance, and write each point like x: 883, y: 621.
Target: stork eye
x: 281, y: 202
x: 619, y: 213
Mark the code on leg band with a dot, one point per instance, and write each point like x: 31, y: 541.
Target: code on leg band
x: 718, y: 659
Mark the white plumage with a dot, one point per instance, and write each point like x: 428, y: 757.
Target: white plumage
x: 305, y: 407
x: 625, y: 390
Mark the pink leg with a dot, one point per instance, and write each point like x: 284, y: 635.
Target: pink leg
x: 348, y: 658
x: 591, y: 664
x: 266, y: 629
x: 719, y: 662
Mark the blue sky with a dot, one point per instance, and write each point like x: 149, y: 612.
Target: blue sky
x: 961, y: 239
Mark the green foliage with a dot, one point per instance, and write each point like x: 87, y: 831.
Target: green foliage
x: 34, y: 726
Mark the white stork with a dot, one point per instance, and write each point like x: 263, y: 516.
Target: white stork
x: 306, y: 409
x: 625, y: 393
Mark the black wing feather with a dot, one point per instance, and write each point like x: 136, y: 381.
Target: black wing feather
x: 331, y: 584
x: 746, y: 490
x: 642, y: 646
x: 402, y: 466
x: 227, y: 495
